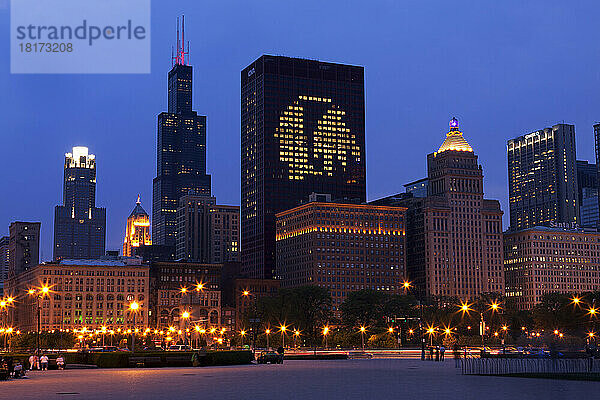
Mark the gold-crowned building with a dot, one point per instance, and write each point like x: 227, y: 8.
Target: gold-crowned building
x: 454, y: 234
x: 137, y: 231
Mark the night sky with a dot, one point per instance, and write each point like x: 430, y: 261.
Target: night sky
x: 502, y: 68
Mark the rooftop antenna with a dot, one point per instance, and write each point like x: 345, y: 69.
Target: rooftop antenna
x: 180, y: 52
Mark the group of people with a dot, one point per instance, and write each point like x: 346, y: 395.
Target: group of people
x: 437, y: 353
x: 13, y: 368
x: 41, y: 363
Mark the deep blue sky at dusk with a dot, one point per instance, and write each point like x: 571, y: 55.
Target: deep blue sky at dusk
x: 502, y: 68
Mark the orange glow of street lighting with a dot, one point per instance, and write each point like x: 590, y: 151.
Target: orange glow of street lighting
x: 45, y: 289
x: 283, y: 328
x: 591, y: 334
x: 200, y: 286
x: 362, y: 329
x: 267, y: 331
x: 465, y: 307
x: 494, y: 306
x: 185, y: 315
x: 245, y: 293
x: 134, y: 306
x: 213, y: 330
x: 391, y: 329
x: 576, y: 300
x: 183, y: 290
x: 243, y: 332
x: 593, y: 311
x: 406, y: 285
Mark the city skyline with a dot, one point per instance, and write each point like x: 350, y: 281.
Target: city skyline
x: 386, y: 124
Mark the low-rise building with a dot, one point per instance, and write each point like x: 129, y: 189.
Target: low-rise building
x: 179, y: 287
x: 81, y: 294
x: 542, y: 260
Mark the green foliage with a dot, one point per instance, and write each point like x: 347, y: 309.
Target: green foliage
x: 48, y: 340
x: 373, y: 308
x: 306, y: 308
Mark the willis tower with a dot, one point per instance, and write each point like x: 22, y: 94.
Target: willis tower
x: 181, y: 150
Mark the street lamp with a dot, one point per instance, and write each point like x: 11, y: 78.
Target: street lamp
x: 38, y: 294
x: 283, y: 329
x: 242, y: 334
x: 431, y: 331
x: 133, y: 307
x: 325, y: 333
x: 185, y: 315
x: 296, y: 335
x: 362, y: 337
x: 267, y: 332
x: 254, y: 320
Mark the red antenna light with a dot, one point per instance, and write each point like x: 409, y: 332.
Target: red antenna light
x: 180, y: 52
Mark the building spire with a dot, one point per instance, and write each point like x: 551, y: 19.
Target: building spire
x: 180, y: 52
x: 138, y: 200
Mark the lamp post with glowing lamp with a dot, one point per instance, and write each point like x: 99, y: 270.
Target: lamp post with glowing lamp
x: 185, y: 316
x: 38, y: 294
x: 325, y: 333
x: 133, y: 307
x: 267, y: 333
x: 362, y: 331
x: 296, y: 335
x: 283, y: 330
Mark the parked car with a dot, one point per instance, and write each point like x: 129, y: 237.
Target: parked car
x: 270, y: 357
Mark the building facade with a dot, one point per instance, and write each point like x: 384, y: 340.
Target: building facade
x: 79, y: 226
x: 542, y: 178
x: 83, y: 294
x: 184, y: 286
x: 302, y: 131
x: 342, y: 247
x: 587, y: 192
x: 542, y: 260
x: 207, y: 232
x: 137, y: 230
x: 23, y: 247
x: 4, y: 262
x: 454, y: 235
x: 181, y: 155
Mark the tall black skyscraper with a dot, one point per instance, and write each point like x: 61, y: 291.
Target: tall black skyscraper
x: 542, y: 178
x: 180, y: 152
x: 302, y: 131
x: 79, y: 227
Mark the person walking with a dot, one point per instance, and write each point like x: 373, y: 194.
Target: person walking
x: 442, y: 352
x: 60, y: 362
x: 431, y: 353
x: 437, y: 353
x: 44, y: 362
x: 31, y: 362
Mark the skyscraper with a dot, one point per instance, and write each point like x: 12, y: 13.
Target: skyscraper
x: 454, y: 235
x: 302, y: 131
x: 137, y: 230
x: 597, y: 148
x: 4, y: 261
x: 542, y: 178
x: 587, y: 193
x: 206, y: 231
x: 79, y: 226
x: 180, y: 152
x: 23, y: 247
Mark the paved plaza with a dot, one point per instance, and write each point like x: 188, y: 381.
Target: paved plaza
x: 330, y: 380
